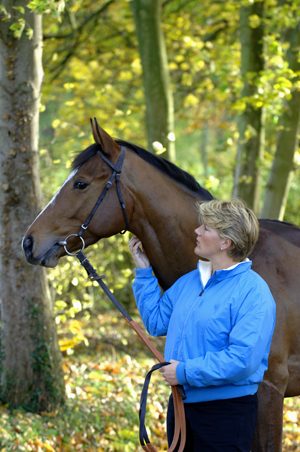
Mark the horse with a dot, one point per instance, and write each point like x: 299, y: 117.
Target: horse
x: 156, y: 201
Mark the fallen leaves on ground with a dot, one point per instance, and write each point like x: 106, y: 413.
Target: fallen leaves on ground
x: 103, y: 386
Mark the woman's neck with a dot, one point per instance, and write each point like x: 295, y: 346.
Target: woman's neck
x: 222, y: 262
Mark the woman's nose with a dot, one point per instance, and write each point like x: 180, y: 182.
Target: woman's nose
x: 198, y: 230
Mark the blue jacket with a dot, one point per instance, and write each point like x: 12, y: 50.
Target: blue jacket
x: 221, y: 334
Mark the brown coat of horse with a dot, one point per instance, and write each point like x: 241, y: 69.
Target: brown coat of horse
x: 161, y: 211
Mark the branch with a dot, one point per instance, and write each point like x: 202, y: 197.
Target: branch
x: 212, y: 36
x: 81, y: 27
x: 181, y: 5
x: 57, y: 70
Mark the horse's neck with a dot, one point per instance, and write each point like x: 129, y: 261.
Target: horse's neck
x: 164, y: 219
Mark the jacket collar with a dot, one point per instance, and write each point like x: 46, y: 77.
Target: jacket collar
x: 205, y: 269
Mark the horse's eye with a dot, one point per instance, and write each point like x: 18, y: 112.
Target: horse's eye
x: 79, y: 185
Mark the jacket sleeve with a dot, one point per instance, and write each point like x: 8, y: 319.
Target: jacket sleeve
x: 248, y: 344
x: 155, y: 308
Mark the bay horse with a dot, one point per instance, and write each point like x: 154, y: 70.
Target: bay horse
x: 158, y: 205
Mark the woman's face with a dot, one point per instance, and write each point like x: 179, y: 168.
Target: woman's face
x: 208, y: 242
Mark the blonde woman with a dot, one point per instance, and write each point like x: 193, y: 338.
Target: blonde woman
x: 219, y: 321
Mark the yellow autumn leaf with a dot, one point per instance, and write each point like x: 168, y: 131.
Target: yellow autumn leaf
x: 254, y: 21
x: 66, y: 344
x: 291, y: 416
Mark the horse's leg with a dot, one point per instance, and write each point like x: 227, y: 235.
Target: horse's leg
x: 268, y: 435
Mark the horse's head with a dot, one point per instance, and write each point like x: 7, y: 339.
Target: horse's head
x: 69, y: 211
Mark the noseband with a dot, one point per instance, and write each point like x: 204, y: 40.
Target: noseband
x: 115, y: 176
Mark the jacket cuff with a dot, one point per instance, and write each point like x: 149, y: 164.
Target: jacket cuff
x: 140, y: 272
x: 180, y: 373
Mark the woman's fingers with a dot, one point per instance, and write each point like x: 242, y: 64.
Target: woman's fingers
x: 169, y: 372
x: 135, y: 246
x: 134, y: 243
x: 139, y: 256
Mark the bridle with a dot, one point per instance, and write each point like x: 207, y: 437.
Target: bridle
x: 115, y: 177
x: 179, y: 437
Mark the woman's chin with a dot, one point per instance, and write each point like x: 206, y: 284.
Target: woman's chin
x: 197, y: 250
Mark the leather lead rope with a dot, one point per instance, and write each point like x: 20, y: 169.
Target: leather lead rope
x: 177, y: 391
x: 180, y: 427
x: 144, y: 439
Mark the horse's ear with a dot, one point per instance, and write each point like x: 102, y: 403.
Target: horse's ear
x: 107, y: 143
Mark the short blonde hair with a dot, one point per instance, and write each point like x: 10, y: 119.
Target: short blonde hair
x: 234, y: 221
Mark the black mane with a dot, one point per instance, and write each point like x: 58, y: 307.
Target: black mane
x: 160, y: 163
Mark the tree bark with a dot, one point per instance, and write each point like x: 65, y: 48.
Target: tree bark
x: 30, y: 370
x: 157, y: 87
x: 250, y: 124
x: 277, y: 187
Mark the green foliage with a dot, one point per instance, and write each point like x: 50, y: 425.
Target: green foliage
x: 4, y: 14
x: 77, y: 299
x: 17, y: 16
x: 18, y: 27
x: 93, y: 66
x: 54, y: 7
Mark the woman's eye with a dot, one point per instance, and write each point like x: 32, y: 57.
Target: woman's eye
x: 79, y: 185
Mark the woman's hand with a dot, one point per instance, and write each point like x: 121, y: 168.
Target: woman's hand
x: 169, y: 373
x: 139, y: 256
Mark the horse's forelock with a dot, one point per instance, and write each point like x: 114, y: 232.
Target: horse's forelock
x: 85, y: 155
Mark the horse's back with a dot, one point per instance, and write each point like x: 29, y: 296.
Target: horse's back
x: 276, y: 258
x: 287, y: 231
x: 277, y: 254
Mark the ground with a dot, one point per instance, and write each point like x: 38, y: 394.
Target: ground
x: 103, y: 385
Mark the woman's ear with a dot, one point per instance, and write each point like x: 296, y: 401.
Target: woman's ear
x: 226, y: 244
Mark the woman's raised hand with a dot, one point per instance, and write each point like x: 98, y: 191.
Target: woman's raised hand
x: 139, y: 256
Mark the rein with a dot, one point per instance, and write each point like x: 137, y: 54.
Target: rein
x: 177, y: 391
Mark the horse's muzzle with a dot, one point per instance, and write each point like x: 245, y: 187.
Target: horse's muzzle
x: 47, y: 259
x: 27, y: 245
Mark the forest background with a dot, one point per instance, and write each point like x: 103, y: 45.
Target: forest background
x: 213, y: 86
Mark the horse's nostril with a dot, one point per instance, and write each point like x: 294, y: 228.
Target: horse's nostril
x: 28, y: 245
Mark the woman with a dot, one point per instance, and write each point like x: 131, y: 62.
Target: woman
x: 219, y: 321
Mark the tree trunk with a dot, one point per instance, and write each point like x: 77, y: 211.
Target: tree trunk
x: 29, y: 359
x: 157, y: 88
x: 250, y: 124
x: 277, y: 187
